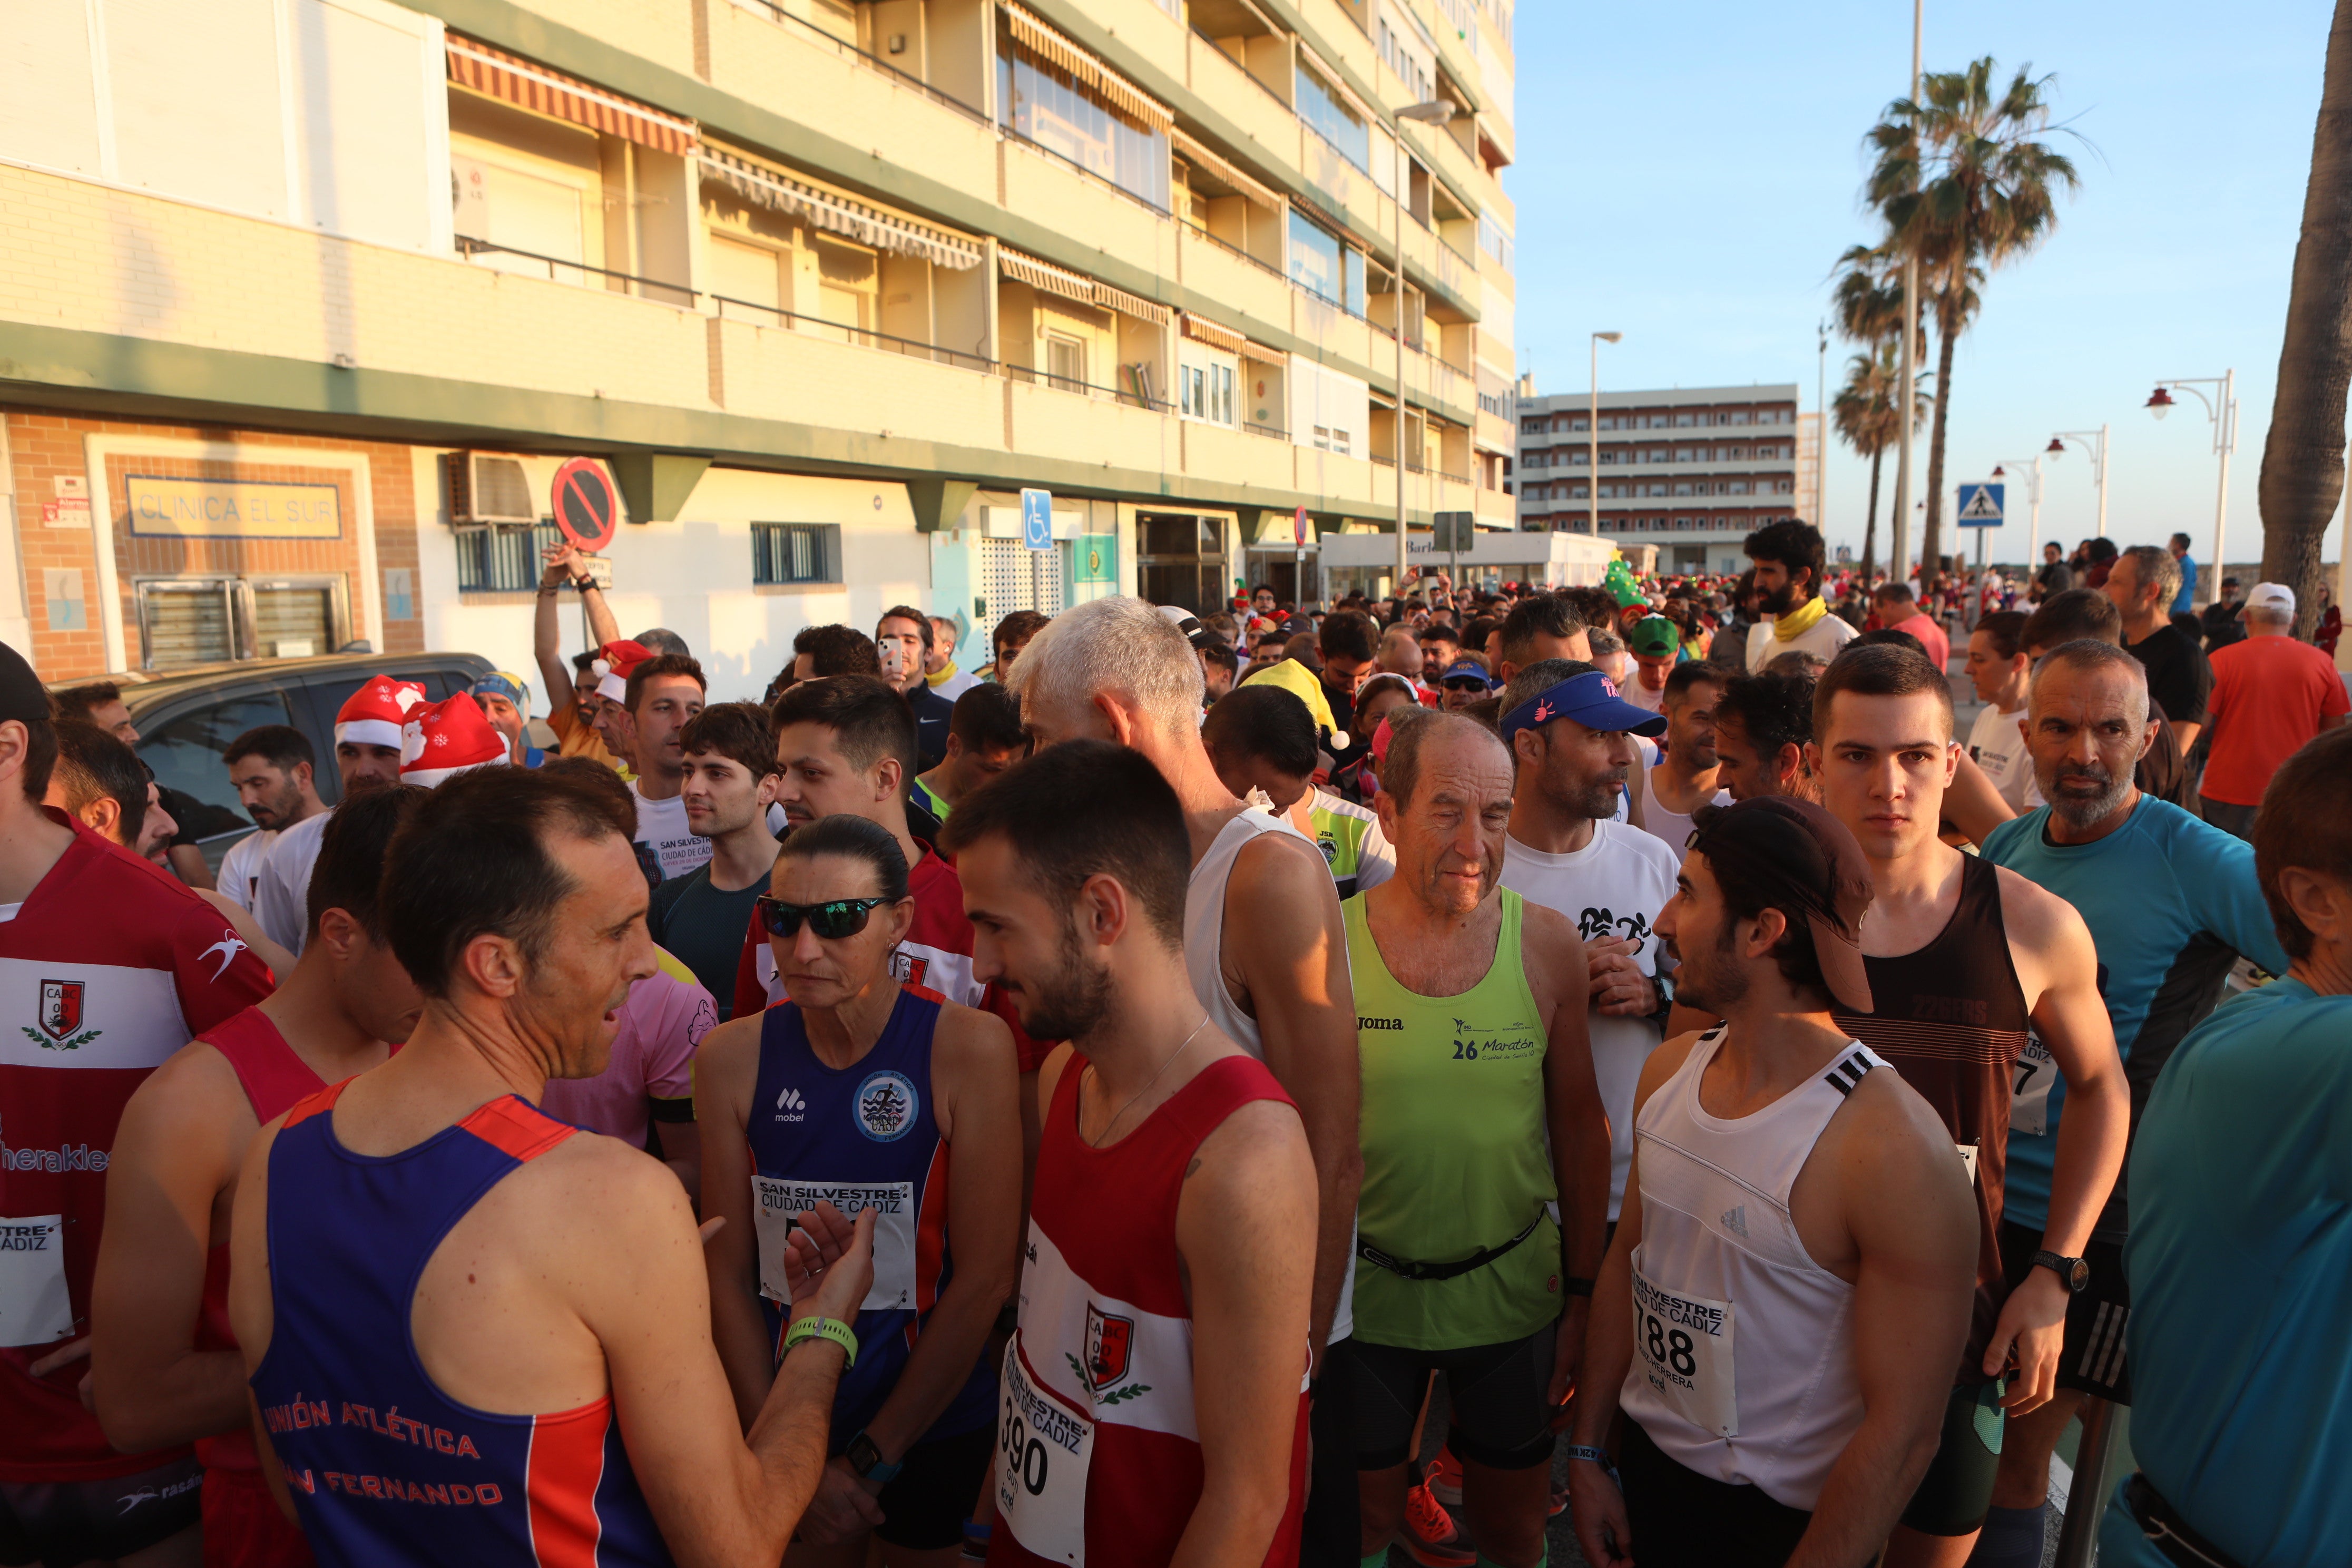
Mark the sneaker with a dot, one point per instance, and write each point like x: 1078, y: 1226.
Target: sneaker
x: 1443, y: 1478
x: 1431, y: 1538
x: 1558, y: 1500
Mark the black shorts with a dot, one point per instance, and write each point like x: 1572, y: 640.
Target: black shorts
x: 925, y: 1504
x: 2093, y: 1362
x: 1494, y: 1394
x: 1681, y: 1518
x: 1331, y: 1530
x: 59, y: 1522
x: 1952, y: 1497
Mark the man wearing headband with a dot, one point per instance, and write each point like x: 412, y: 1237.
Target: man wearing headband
x: 1481, y: 1122
x: 1983, y: 983
x: 1790, y: 1282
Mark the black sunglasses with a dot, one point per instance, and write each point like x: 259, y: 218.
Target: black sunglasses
x: 831, y: 920
x: 1467, y: 683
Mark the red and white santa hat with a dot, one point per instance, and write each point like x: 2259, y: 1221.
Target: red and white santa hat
x: 613, y: 662
x: 448, y: 737
x: 377, y: 711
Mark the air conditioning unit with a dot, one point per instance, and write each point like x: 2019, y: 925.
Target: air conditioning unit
x: 488, y: 487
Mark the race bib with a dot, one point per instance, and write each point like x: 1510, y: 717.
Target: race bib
x: 779, y: 1202
x: 35, y: 1308
x: 1684, y: 1343
x: 1043, y: 1449
x: 2029, y: 1101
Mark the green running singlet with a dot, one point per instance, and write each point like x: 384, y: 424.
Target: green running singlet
x: 1455, y: 1157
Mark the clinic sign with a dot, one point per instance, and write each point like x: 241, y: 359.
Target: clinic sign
x: 168, y: 508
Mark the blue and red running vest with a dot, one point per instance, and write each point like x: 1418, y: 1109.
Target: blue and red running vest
x: 385, y: 1469
x: 863, y: 1137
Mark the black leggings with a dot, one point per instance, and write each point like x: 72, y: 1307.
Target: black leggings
x: 1681, y: 1518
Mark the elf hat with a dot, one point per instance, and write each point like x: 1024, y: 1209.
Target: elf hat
x: 376, y: 713
x: 448, y: 737
x: 613, y: 662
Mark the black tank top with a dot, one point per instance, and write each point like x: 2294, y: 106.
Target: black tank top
x: 1951, y: 1018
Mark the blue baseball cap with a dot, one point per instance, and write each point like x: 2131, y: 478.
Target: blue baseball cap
x: 1590, y: 698
x: 1468, y: 669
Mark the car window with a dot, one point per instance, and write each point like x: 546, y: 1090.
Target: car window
x: 184, y: 750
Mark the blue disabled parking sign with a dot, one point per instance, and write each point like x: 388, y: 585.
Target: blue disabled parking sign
x: 1037, y: 519
x: 1980, y: 506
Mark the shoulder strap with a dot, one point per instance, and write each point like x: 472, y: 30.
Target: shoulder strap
x: 518, y: 1128
x: 273, y: 1077
x: 312, y: 1105
x: 1849, y: 1070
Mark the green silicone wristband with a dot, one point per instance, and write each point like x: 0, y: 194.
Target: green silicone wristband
x: 833, y: 1329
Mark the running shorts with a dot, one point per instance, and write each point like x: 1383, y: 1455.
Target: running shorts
x: 2093, y: 1360
x: 243, y: 1526
x: 925, y: 1504
x: 114, y: 1516
x: 1952, y: 1497
x: 1681, y: 1518
x: 1494, y: 1394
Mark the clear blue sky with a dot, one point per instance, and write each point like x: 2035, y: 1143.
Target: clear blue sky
x: 1688, y: 174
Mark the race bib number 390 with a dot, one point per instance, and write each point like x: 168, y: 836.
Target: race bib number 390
x: 1684, y: 1343
x: 2028, y: 1100
x: 778, y: 1203
x: 1043, y: 1449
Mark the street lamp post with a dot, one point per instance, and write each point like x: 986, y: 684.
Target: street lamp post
x: 2033, y: 467
x: 1436, y: 111
x: 2222, y: 409
x: 1593, y: 436
x: 2096, y: 443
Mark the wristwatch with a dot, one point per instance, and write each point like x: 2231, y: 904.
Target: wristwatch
x: 2073, y: 1272
x: 866, y: 1460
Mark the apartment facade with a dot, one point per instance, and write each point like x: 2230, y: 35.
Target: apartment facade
x: 304, y: 302
x: 1692, y: 470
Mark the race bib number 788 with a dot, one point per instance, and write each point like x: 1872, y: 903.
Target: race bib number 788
x: 1685, y: 1345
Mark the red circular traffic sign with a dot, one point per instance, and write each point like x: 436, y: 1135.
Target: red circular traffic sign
x: 586, y: 510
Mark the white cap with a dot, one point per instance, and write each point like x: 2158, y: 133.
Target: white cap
x: 2272, y: 596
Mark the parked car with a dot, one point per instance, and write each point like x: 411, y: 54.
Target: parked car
x: 187, y: 715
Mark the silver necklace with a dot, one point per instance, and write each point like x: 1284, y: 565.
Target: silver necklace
x: 1139, y: 1094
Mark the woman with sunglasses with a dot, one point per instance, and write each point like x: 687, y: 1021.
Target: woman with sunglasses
x: 853, y: 1091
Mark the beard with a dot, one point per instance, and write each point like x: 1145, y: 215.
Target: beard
x: 1779, y: 601
x: 2084, y: 811
x: 1069, y: 1003
x: 1592, y: 798
x: 1710, y: 980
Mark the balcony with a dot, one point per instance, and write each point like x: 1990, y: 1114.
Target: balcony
x: 1334, y: 331
x: 1051, y: 190
x: 1240, y: 98
x: 1258, y: 292
x: 1238, y: 456
x: 1077, y: 426
x: 829, y: 377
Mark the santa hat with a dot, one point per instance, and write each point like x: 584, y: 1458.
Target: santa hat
x: 613, y: 662
x: 448, y: 737
x: 376, y: 713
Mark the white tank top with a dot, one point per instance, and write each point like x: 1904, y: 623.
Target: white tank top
x: 1743, y: 1365
x: 1204, y: 943
x: 1674, y: 826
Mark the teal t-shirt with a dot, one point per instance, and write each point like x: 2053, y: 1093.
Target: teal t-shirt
x: 2171, y: 903
x: 704, y: 928
x: 2240, y: 1257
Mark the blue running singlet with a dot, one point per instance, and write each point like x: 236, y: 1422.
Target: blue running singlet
x: 861, y: 1137
x: 385, y: 1469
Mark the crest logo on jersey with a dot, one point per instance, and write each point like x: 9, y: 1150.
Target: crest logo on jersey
x: 906, y: 969
x: 1110, y: 1347
x: 886, y: 1106
x: 1329, y: 846
x: 60, y: 1018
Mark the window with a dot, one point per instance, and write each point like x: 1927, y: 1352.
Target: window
x: 1045, y: 104
x: 1206, y: 392
x: 1328, y: 116
x: 1576, y: 424
x: 1494, y: 238
x: 1318, y: 262
x: 185, y: 751
x: 783, y: 552
x: 1066, y: 362
x: 503, y: 560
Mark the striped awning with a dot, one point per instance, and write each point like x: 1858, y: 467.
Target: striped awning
x: 1205, y: 330
x: 1057, y: 48
x: 530, y: 86
x: 836, y: 214
x: 1077, y: 286
x: 1192, y: 149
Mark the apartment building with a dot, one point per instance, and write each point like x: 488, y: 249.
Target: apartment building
x: 1692, y: 470
x: 303, y: 303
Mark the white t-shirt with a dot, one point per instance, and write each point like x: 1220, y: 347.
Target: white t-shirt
x: 240, y: 871
x: 1997, y: 745
x: 281, y: 894
x: 1821, y: 639
x: 1615, y: 886
x: 1641, y: 695
x: 661, y: 825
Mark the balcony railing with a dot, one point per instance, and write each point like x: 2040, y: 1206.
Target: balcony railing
x: 1231, y: 248
x: 857, y: 56
x: 1032, y: 376
x: 864, y: 337
x: 469, y: 247
x: 1276, y: 431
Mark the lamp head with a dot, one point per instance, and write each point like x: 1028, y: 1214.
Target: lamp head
x: 1998, y: 471
x: 2160, y: 402
x: 2057, y: 448
x: 1610, y: 337
x: 1436, y: 111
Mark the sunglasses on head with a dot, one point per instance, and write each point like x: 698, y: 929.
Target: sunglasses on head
x: 831, y: 920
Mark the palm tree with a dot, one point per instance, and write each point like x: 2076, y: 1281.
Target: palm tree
x: 1864, y: 414
x: 2303, y: 456
x: 1966, y: 184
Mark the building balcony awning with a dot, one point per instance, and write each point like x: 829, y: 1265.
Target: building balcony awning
x: 836, y: 214
x: 494, y: 73
x: 1051, y: 45
x: 1077, y: 286
x: 1202, y: 330
x: 1192, y: 149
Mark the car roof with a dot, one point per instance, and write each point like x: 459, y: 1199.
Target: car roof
x: 145, y: 688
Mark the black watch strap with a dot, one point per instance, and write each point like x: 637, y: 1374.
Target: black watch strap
x: 2074, y: 1273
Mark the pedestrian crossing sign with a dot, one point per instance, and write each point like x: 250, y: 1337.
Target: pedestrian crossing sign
x: 1980, y: 506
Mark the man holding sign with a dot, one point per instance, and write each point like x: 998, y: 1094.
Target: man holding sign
x: 853, y: 1092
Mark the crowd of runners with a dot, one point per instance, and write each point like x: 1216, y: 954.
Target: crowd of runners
x: 1268, y: 1088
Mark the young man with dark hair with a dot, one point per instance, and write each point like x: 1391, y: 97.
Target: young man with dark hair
x: 273, y: 770
x: 539, y: 1269
x: 2184, y: 601
x: 99, y: 702
x: 985, y: 739
x: 1977, y: 978
x: 2143, y: 584
x: 662, y: 694
x: 1262, y: 737
x: 1849, y: 1299
x: 1761, y: 725
x: 1899, y: 612
x: 1174, y: 1179
x: 1540, y: 627
x: 161, y: 1372
x: 1349, y: 644
x: 730, y: 782
x: 368, y: 740
x: 903, y: 638
x: 1687, y: 775
x: 1787, y: 557
x: 115, y: 963
x: 835, y: 649
x: 1012, y: 635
